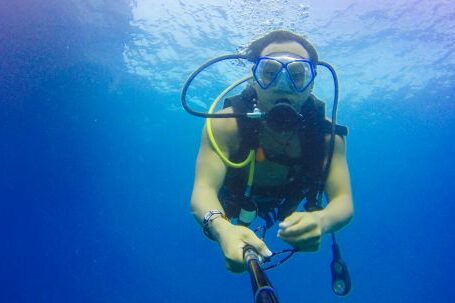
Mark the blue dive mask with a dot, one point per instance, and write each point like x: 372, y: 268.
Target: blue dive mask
x: 284, y: 72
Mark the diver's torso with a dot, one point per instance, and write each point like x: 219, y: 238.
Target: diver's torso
x: 272, y: 181
x: 270, y: 173
x: 272, y: 177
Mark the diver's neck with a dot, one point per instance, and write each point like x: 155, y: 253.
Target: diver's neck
x: 278, y: 137
x: 279, y: 142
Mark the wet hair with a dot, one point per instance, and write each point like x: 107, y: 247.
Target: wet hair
x: 257, y: 46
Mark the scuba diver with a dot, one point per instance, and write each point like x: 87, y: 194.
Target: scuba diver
x: 269, y: 149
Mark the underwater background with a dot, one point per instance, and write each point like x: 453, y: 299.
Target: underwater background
x: 97, y: 155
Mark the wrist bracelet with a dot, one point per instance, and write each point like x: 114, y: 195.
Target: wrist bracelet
x: 208, y: 218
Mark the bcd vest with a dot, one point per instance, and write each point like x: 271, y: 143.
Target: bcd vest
x: 304, y: 173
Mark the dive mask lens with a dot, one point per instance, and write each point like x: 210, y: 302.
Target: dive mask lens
x: 265, y: 71
x: 301, y: 73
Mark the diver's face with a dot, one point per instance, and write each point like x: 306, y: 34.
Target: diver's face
x: 267, y: 97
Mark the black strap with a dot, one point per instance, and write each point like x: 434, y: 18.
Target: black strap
x: 248, y: 129
x: 340, y: 130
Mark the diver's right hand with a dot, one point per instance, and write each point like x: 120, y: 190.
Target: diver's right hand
x: 232, y: 239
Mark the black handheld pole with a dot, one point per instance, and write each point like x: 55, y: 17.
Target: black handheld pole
x: 262, y: 288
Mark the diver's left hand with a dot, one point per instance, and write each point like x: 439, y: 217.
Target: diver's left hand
x: 302, y: 230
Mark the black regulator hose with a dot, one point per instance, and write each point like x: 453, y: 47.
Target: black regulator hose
x: 341, y: 280
x: 191, y: 78
x: 326, y: 168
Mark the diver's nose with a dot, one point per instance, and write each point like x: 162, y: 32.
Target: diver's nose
x: 283, y: 82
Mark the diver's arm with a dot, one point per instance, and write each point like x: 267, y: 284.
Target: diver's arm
x: 304, y: 230
x: 210, y: 173
x: 209, y: 177
x: 339, y: 210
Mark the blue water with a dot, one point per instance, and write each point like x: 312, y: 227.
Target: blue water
x: 97, y: 157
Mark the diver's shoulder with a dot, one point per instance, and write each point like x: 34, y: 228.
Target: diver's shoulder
x: 225, y: 130
x: 225, y: 126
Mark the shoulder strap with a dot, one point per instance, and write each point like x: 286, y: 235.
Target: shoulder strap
x: 248, y: 128
x: 339, y: 129
x: 318, y: 107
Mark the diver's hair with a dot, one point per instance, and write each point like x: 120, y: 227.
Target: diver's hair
x: 257, y: 46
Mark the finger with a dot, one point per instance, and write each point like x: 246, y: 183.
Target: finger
x: 259, y: 246
x: 309, y: 246
x: 234, y: 260
x: 297, y: 229
x: 290, y: 220
x: 305, y: 240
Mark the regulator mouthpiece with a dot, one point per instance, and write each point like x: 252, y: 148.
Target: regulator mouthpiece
x: 283, y: 117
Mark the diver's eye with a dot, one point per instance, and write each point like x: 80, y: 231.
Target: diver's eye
x: 266, y: 71
x: 299, y: 72
x: 269, y: 74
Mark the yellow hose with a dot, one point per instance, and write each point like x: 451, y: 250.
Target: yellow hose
x: 251, y: 156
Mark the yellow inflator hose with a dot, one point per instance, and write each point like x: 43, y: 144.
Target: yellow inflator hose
x: 250, y: 159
